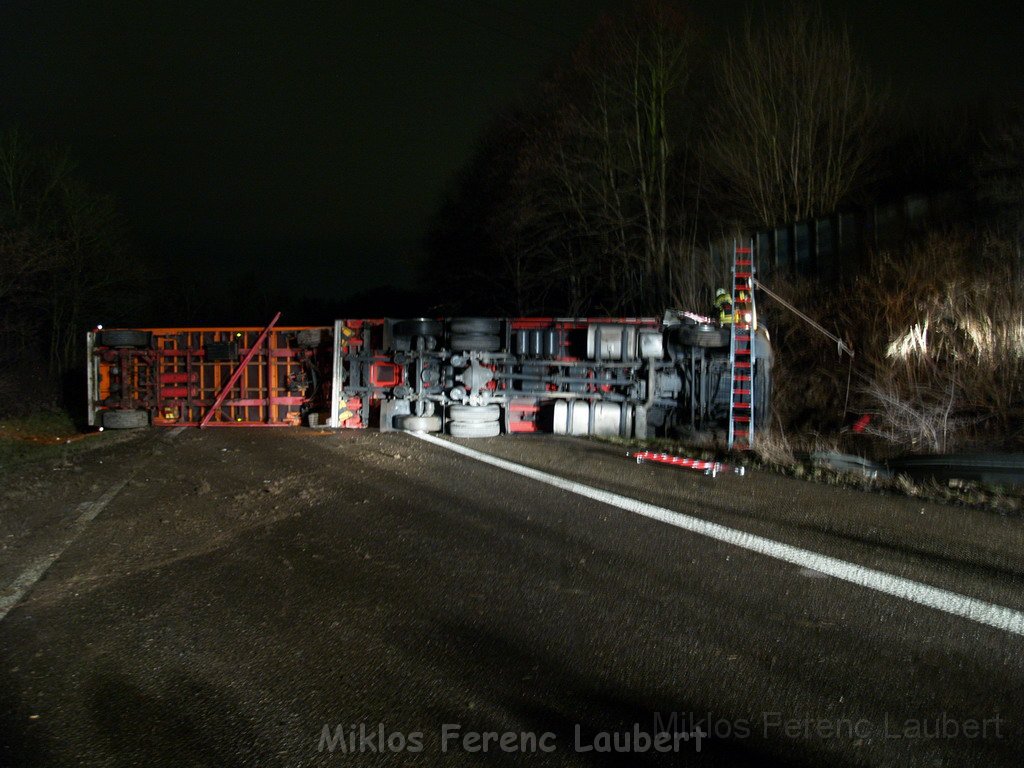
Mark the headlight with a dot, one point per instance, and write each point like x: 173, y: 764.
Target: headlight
x: 748, y: 317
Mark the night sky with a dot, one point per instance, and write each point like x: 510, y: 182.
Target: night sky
x: 312, y: 146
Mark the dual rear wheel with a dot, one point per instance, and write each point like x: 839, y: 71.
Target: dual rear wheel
x: 421, y: 423
x: 463, y: 421
x: 475, y: 334
x: 118, y: 419
x: 474, y: 420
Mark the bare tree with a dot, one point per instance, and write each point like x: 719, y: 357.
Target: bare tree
x: 603, y: 200
x: 793, y: 123
x: 97, y: 275
x: 63, y: 256
x: 999, y: 178
x: 586, y: 199
x: 23, y: 259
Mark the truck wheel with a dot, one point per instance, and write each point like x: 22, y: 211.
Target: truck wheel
x: 474, y: 414
x: 421, y: 423
x: 421, y: 326
x: 762, y: 396
x: 640, y: 422
x: 125, y: 419
x: 705, y: 335
x: 309, y: 338
x: 474, y: 429
x: 118, y: 338
x: 475, y: 342
x: 486, y: 325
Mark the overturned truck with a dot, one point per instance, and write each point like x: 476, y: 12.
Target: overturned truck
x: 468, y: 376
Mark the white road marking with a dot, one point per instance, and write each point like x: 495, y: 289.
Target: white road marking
x: 175, y: 432
x: 952, y: 603
x: 27, y: 579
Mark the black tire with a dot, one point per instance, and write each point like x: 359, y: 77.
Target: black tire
x: 705, y: 335
x: 475, y: 342
x: 474, y: 429
x: 119, y: 338
x: 309, y: 338
x: 420, y: 423
x: 421, y: 326
x: 474, y: 414
x: 125, y: 419
x: 762, y: 395
x: 401, y: 343
x: 473, y: 325
x: 640, y: 429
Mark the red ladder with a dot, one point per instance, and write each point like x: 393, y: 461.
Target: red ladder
x: 741, y: 349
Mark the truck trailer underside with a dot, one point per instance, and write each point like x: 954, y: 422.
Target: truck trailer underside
x: 469, y: 377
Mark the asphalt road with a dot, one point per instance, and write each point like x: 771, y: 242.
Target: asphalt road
x: 219, y: 597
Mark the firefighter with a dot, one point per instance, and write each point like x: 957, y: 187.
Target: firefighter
x: 723, y: 305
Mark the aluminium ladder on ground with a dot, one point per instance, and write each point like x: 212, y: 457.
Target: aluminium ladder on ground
x: 741, y: 349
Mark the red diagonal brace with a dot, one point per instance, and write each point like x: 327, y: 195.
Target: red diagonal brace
x: 223, y: 394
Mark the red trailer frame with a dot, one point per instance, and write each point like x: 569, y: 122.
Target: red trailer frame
x: 211, y: 377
